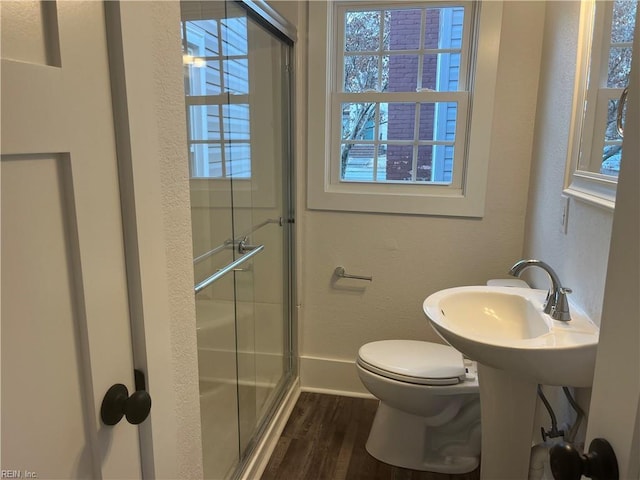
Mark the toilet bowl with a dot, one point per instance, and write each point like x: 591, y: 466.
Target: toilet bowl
x: 428, y: 417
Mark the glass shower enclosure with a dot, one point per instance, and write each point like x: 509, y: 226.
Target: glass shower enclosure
x: 237, y: 97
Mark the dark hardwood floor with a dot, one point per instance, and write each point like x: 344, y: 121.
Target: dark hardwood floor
x: 325, y: 438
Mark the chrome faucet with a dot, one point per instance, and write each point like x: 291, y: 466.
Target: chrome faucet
x: 556, y: 303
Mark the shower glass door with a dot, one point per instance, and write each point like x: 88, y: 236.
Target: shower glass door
x: 237, y: 103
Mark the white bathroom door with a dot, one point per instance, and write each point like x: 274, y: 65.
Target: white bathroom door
x: 65, y: 334
x: 614, y: 413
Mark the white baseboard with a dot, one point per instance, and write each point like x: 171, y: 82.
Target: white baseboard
x: 331, y: 376
x: 262, y: 453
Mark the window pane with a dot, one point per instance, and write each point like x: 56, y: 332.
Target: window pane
x: 400, y: 121
x: 441, y: 71
x: 381, y: 172
x: 611, y: 156
x: 619, y: 67
x: 358, y: 121
x: 404, y: 29
x: 362, y: 31
x: 624, y: 14
x: 435, y: 163
x: 361, y: 73
x: 399, y: 162
x: 402, y: 73
x: 438, y: 121
x: 611, y: 132
x: 612, y: 150
x: 444, y: 27
x: 357, y: 162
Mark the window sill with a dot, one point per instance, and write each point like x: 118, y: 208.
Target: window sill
x: 594, y: 189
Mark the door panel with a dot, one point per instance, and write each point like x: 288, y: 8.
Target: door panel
x: 41, y: 329
x: 65, y: 315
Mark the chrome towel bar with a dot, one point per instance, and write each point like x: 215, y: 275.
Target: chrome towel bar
x: 339, y: 272
x: 223, y: 271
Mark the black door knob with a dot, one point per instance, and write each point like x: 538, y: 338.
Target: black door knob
x: 568, y: 464
x: 117, y: 403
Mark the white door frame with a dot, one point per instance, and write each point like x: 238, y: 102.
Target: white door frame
x: 150, y: 119
x: 614, y: 413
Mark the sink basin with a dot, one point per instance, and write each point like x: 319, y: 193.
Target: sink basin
x: 505, y: 328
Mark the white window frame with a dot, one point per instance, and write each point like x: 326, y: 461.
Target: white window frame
x: 588, y: 122
x: 466, y: 195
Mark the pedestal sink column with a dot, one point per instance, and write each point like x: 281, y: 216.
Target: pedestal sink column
x: 507, y: 405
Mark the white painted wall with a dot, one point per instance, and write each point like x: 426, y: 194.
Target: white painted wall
x: 411, y: 257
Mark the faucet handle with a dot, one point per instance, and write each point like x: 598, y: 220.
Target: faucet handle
x: 560, y: 309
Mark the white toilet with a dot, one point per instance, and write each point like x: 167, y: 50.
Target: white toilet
x: 429, y: 413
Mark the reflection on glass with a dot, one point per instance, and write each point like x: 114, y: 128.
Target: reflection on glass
x: 236, y: 76
x: 215, y: 55
x: 236, y: 121
x: 238, y: 160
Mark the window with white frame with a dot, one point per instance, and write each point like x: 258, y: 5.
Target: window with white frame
x: 393, y: 130
x: 607, y: 31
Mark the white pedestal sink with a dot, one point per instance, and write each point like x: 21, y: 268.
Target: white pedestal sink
x: 517, y: 346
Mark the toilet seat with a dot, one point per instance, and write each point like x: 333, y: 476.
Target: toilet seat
x: 411, y: 361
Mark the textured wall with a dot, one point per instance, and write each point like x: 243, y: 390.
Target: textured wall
x: 167, y: 57
x: 579, y: 256
x: 411, y: 257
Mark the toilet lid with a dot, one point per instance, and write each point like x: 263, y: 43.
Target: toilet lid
x: 413, y: 361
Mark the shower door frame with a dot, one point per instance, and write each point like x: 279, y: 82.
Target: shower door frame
x: 281, y: 30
